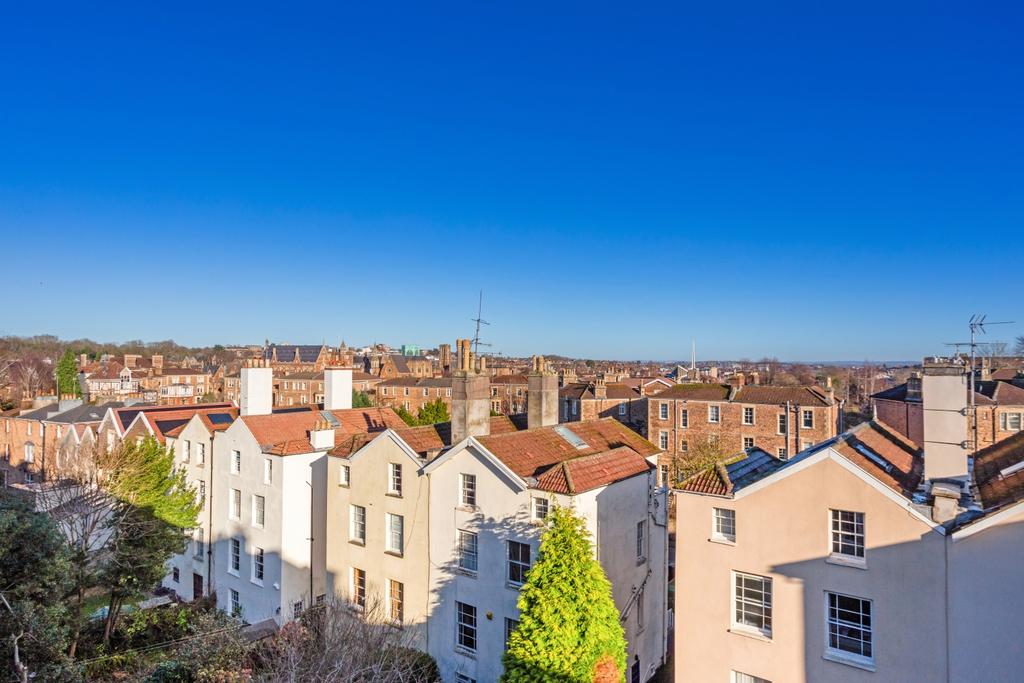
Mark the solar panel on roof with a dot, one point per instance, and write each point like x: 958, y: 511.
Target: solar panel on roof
x: 220, y: 418
x: 574, y: 440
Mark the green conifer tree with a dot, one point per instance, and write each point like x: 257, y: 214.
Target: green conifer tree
x: 569, y: 629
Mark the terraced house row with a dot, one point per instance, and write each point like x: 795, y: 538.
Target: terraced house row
x: 435, y: 527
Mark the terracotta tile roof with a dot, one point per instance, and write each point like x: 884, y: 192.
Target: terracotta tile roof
x: 712, y: 480
x: 589, y: 472
x: 430, y: 382
x: 288, y: 433
x: 697, y: 392
x: 303, y: 375
x: 165, y: 418
x: 438, y: 436
x: 576, y: 390
x: 1005, y: 374
x: 995, y: 488
x: 780, y: 395
x: 530, y: 453
x: 510, y: 379
x: 619, y: 390
x: 897, y: 461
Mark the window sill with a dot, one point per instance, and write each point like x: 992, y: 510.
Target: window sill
x: 343, y: 486
x: 722, y: 541
x: 467, y: 508
x: 846, y: 561
x: 232, y: 572
x: 848, y: 660
x: 465, y: 652
x: 393, y: 553
x: 361, y: 544
x: 750, y: 633
x: 466, y: 572
x: 256, y: 582
x: 511, y: 585
x: 392, y: 494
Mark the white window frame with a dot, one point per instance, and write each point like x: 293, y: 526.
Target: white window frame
x: 396, y: 601
x: 200, y: 453
x: 663, y: 440
x: 357, y: 524
x: 1005, y: 424
x: 357, y: 589
x: 259, y: 509
x: 807, y: 418
x: 741, y: 603
x: 234, y: 504
x: 723, y: 525
x: 781, y: 423
x: 663, y: 411
x: 748, y: 410
x: 467, y: 490
x: 641, y: 541
x: 684, y: 418
x: 714, y: 414
x: 516, y: 564
x: 746, y: 440
x: 467, y: 625
x: 467, y: 550
x: 394, y: 479
x: 739, y: 677
x: 345, y: 476
x: 236, y: 462
x: 186, y: 447
x: 847, y: 530
x: 258, y: 562
x: 394, y: 526
x: 622, y: 408
x: 837, y: 654
x: 236, y: 602
x: 541, y: 506
x: 268, y: 471
x: 234, y: 556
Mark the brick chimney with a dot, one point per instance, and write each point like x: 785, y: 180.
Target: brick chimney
x: 83, y: 360
x: 566, y: 377
x: 600, y: 386
x: 256, y: 392
x: 337, y: 388
x: 946, y: 439
x: 755, y: 378
x: 157, y: 361
x: 471, y: 402
x: 541, y: 396
x: 741, y: 380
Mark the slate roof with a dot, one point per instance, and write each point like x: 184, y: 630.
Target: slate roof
x: 873, y: 446
x: 310, y: 375
x: 125, y: 415
x: 986, y: 393
x: 286, y: 353
x: 87, y: 412
x: 997, y: 483
x: 416, y: 382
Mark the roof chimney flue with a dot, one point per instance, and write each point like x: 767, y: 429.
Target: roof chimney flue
x: 337, y: 388
x: 946, y: 439
x: 256, y: 395
x: 541, y: 396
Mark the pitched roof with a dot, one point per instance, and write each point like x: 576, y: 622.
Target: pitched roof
x: 87, y: 412
x: 170, y: 422
x: 529, y: 453
x: 309, y: 375
x: 986, y: 393
x: 438, y: 436
x: 288, y: 433
x: 886, y: 454
x: 1005, y: 374
x: 722, y: 478
x: 697, y: 392
x: 510, y: 379
x: 125, y: 415
x: 286, y: 353
x: 997, y: 480
x: 772, y: 395
x: 593, y: 471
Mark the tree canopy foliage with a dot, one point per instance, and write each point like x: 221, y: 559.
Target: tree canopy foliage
x: 569, y: 629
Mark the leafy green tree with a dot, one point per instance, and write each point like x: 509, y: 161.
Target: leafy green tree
x: 154, y: 506
x: 360, y: 399
x: 408, y: 417
x: 35, y: 569
x: 569, y: 629
x: 433, y: 412
x: 67, y: 374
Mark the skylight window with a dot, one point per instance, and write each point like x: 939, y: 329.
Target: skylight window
x: 1007, y: 471
x: 574, y: 440
x: 873, y: 457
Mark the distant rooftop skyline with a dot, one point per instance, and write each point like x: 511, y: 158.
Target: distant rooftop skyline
x: 809, y: 182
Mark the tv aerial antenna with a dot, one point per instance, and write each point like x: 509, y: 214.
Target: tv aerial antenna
x: 479, y: 321
x: 976, y: 325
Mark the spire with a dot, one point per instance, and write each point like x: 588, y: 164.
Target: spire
x: 693, y: 355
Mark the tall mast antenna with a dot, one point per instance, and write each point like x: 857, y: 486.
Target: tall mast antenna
x: 479, y: 321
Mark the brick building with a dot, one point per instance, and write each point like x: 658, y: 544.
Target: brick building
x: 412, y: 393
x: 393, y: 365
x: 285, y: 358
x: 299, y: 388
x: 999, y: 407
x: 740, y: 418
x: 508, y: 394
x: 586, y: 401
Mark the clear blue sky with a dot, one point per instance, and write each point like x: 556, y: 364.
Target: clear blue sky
x: 811, y: 181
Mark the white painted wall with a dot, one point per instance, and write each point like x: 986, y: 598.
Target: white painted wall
x: 337, y: 388
x: 257, y: 391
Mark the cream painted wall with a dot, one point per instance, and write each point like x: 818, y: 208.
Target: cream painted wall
x: 782, y: 531
x: 369, y: 488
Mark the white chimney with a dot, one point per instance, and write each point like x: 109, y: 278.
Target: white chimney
x: 946, y: 441
x: 321, y: 436
x: 337, y: 388
x: 257, y: 389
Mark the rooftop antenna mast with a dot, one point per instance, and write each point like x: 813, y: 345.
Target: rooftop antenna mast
x: 479, y: 321
x: 976, y: 325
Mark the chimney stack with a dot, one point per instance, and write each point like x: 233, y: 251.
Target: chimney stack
x: 741, y: 380
x: 321, y: 436
x: 755, y: 378
x: 257, y: 389
x: 471, y: 402
x: 83, y: 360
x: 541, y: 396
x: 600, y: 386
x: 946, y: 442
x: 158, y: 361
x: 337, y: 388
